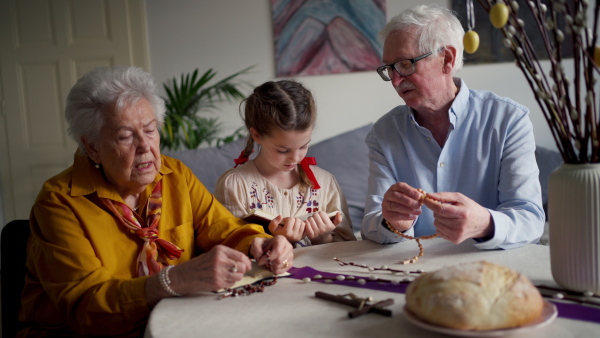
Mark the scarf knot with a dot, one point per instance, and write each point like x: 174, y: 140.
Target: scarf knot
x: 147, y: 234
x: 154, y: 251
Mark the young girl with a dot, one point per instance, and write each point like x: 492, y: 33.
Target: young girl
x: 281, y: 181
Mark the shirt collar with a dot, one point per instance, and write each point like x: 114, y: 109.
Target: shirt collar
x: 460, y: 104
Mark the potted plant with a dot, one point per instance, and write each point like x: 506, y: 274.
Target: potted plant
x: 571, y: 108
x: 185, y: 127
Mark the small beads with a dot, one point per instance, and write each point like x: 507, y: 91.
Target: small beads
x: 417, y: 239
x: 250, y: 289
x: 364, y: 280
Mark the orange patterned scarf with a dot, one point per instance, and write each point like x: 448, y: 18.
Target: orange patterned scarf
x: 152, y: 257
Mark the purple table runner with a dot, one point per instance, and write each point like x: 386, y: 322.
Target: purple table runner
x: 565, y: 310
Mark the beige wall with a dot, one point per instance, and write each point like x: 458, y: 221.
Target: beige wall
x: 229, y: 35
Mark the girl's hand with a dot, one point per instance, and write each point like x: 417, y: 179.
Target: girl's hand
x: 289, y: 227
x: 319, y: 227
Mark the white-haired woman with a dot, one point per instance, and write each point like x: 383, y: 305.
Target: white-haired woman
x: 125, y: 226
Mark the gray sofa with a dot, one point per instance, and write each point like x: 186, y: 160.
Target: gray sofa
x: 344, y: 155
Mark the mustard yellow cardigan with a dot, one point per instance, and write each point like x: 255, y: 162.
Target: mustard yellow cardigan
x: 82, y: 263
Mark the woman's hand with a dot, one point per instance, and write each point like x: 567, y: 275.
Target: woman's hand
x: 281, y: 254
x: 289, y: 227
x: 219, y: 268
x: 318, y: 227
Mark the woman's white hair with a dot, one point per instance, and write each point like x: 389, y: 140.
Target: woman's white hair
x: 435, y: 26
x: 102, y: 90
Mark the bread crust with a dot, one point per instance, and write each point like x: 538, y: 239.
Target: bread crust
x: 474, y: 296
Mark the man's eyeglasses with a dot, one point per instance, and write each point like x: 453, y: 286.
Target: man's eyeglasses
x: 403, y: 67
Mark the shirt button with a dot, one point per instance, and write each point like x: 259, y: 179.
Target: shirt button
x: 442, y: 164
x: 285, y: 193
x: 429, y: 139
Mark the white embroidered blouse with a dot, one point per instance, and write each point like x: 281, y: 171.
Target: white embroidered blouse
x: 243, y: 188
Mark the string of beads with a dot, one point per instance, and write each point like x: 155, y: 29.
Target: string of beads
x: 417, y: 239
x: 249, y: 289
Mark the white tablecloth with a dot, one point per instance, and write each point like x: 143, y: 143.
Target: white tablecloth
x: 290, y: 309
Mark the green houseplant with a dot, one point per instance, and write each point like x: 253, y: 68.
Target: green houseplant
x: 187, y: 99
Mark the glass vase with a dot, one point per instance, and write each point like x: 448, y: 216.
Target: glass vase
x: 574, y: 216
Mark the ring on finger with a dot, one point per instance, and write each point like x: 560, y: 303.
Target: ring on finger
x: 285, y: 264
x: 234, y: 268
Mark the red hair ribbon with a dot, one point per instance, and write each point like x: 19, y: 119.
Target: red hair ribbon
x: 242, y: 158
x: 311, y: 176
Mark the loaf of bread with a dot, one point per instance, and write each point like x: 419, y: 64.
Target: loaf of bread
x: 474, y: 296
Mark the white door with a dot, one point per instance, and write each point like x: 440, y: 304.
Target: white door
x: 45, y: 46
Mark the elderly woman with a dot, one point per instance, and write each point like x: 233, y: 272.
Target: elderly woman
x: 125, y: 226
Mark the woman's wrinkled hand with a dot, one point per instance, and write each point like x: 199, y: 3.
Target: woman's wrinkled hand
x: 281, y: 254
x: 217, y: 269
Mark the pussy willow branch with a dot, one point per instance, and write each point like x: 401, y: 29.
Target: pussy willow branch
x: 568, y: 105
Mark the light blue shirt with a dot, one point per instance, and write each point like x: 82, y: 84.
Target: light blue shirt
x: 489, y: 156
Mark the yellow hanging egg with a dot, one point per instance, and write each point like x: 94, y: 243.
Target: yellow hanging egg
x: 499, y: 15
x: 597, y: 55
x: 471, y: 42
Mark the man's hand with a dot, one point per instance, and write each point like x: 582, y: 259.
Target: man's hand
x: 458, y: 217
x: 401, y: 205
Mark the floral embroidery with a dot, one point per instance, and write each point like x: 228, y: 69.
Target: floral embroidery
x: 312, y: 205
x: 300, y: 199
x: 256, y: 202
x: 262, y: 199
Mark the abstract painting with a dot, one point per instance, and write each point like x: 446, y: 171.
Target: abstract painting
x: 327, y: 36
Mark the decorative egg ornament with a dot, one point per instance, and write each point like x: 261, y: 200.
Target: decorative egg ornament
x: 471, y: 42
x: 597, y: 55
x: 499, y: 15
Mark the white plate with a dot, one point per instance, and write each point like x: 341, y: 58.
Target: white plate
x: 549, y: 313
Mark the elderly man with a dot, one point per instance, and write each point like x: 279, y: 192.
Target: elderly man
x: 472, y: 152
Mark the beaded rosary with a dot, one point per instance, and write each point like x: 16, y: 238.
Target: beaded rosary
x: 249, y: 289
x: 417, y: 239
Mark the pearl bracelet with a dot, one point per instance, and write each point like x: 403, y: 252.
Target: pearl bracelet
x: 165, y: 281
